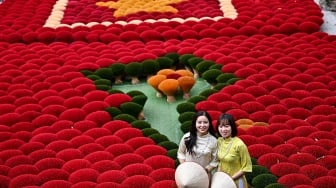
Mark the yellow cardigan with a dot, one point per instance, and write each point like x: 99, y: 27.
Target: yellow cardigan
x: 235, y: 159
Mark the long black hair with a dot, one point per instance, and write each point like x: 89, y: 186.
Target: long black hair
x: 190, y: 141
x: 230, y: 119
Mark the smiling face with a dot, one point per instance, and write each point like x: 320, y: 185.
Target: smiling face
x: 202, y: 125
x: 224, y: 128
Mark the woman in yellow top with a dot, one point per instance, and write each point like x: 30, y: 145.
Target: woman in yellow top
x: 234, y: 158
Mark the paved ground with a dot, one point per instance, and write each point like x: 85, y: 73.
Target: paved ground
x: 160, y: 114
x: 329, y: 25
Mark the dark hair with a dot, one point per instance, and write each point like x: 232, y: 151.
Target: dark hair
x: 190, y: 141
x: 231, y: 121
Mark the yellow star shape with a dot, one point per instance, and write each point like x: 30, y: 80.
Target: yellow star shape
x: 126, y: 7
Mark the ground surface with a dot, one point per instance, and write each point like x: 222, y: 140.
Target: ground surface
x: 160, y: 114
x: 329, y: 17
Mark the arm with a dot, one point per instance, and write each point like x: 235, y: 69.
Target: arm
x: 245, y: 161
x: 181, y: 160
x: 237, y: 175
x: 181, y: 152
x: 214, y: 161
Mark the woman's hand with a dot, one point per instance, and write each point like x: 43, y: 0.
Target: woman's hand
x: 208, y: 169
x: 181, y: 161
x: 238, y: 175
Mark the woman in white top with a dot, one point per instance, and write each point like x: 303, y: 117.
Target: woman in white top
x: 200, y: 143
